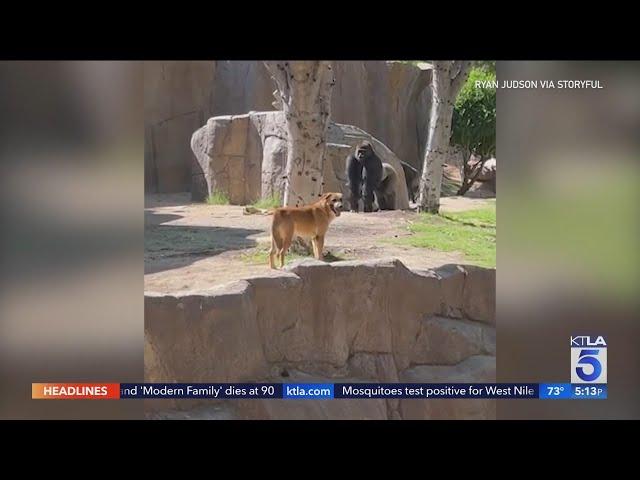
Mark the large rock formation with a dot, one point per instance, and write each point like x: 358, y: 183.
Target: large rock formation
x: 350, y: 321
x: 177, y: 100
x: 245, y: 156
x: 390, y: 100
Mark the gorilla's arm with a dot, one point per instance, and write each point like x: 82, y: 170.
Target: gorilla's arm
x: 373, y: 167
x: 354, y: 174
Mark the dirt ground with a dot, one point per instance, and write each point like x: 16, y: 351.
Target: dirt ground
x: 194, y: 246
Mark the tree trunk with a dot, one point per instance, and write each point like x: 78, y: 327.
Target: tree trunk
x: 305, y: 89
x: 448, y: 78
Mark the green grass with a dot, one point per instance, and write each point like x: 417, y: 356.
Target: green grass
x: 218, y: 198
x: 266, y: 203
x: 481, y: 218
x: 472, y: 233
x: 260, y: 255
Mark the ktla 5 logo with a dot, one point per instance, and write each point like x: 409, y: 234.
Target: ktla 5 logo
x: 588, y: 359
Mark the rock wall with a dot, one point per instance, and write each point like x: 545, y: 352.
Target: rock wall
x: 347, y: 321
x: 390, y: 100
x: 245, y: 156
x: 177, y: 100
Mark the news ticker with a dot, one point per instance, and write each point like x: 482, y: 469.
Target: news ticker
x: 588, y: 382
x: 317, y: 391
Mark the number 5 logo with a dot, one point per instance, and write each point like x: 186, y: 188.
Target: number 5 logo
x: 588, y: 357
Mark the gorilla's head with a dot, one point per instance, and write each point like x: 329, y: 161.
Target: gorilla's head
x: 364, y: 151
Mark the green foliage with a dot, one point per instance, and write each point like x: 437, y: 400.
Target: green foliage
x: 218, y: 198
x: 266, y: 203
x: 473, y: 233
x: 486, y: 65
x: 474, y: 114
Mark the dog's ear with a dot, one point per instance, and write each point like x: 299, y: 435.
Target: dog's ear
x: 326, y: 197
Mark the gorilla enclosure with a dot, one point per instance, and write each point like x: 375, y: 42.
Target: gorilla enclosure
x: 214, y: 127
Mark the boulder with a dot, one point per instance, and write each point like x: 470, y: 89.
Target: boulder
x: 488, y: 173
x: 244, y: 156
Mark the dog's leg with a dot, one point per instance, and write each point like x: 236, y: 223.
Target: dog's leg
x: 314, y: 244
x: 285, y: 246
x: 272, y: 252
x: 276, y: 246
x: 319, y: 243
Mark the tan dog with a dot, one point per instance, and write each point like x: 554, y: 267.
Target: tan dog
x: 310, y: 221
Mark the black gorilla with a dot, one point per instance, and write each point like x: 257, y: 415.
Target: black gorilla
x: 386, y: 191
x: 412, y: 176
x: 364, y: 171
